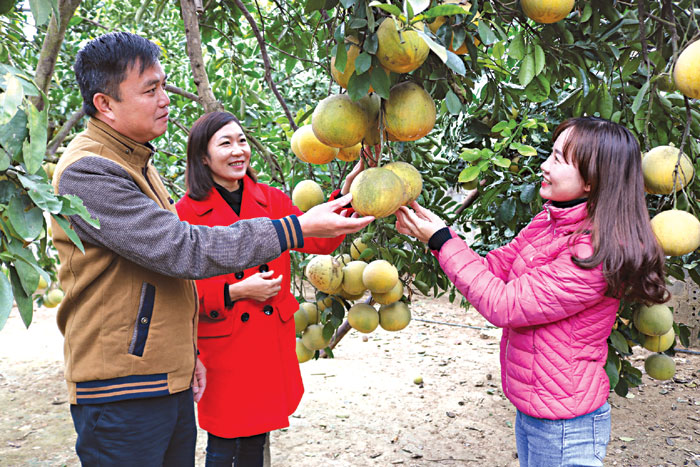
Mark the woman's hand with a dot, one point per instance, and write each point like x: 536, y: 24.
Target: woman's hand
x: 420, y: 222
x: 259, y: 287
x: 359, y: 167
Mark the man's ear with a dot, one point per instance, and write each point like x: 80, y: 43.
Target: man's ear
x: 103, y: 104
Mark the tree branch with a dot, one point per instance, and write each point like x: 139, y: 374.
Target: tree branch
x: 194, y: 52
x: 182, y: 92
x: 64, y: 131
x: 266, y: 61
x: 50, y: 48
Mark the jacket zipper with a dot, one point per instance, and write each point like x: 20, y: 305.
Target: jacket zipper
x: 148, y: 180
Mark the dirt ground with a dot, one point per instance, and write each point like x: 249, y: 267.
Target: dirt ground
x: 363, y: 408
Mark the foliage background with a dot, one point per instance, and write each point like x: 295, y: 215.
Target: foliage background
x: 268, y: 63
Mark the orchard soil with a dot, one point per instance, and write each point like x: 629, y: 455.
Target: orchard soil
x: 367, y: 406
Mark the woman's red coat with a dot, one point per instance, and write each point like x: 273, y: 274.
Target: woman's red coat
x: 253, y: 378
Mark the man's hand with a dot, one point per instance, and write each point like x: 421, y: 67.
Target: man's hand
x: 199, y: 383
x: 322, y: 220
x: 420, y: 223
x: 259, y: 287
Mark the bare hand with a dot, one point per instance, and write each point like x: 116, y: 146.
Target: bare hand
x: 421, y: 223
x: 322, y: 220
x: 199, y: 383
x: 359, y: 167
x: 259, y: 287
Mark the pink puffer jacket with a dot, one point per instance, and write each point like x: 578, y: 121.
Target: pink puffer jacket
x: 555, y: 315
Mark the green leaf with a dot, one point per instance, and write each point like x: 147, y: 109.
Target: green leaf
x: 41, y: 193
x: 486, y: 34
x: 470, y: 155
x: 528, y: 193
x: 65, y: 225
x: 527, y: 150
x: 539, y: 59
x: 358, y: 85
x: 23, y: 301
x: 391, y: 9
x: 605, y: 102
x: 619, y: 342
x: 455, y: 63
x: 363, y: 62
x: 12, y: 135
x: 418, y: 6
x: 314, y: 5
x: 11, y: 99
x: 371, y: 43
x: 527, y: 70
x: 27, y: 222
x: 341, y: 58
x: 437, y: 49
x: 6, y: 300
x: 506, y: 210
x: 516, y: 49
x: 442, y: 10
x: 502, y: 162
x: 28, y: 86
x: 41, y: 10
x: 611, y: 371
x: 33, y: 152
x: 468, y: 174
x: 454, y: 105
x: 347, y: 3
x: 538, y: 89
x: 380, y: 81
x: 28, y: 275
x: 422, y: 286
x: 639, y: 98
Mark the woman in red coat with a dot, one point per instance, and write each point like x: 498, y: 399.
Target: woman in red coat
x: 246, y: 326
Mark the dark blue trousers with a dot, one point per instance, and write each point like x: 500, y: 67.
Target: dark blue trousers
x: 158, y: 431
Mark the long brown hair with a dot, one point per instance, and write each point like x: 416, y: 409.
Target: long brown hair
x: 198, y: 179
x: 609, y: 160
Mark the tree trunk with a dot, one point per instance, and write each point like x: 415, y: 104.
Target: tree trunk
x: 50, y: 48
x: 194, y: 52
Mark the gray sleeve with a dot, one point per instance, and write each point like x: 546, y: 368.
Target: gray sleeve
x: 136, y: 227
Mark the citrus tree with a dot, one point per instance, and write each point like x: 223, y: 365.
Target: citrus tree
x: 492, y: 77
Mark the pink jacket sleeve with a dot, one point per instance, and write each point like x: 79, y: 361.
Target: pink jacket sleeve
x: 543, y: 294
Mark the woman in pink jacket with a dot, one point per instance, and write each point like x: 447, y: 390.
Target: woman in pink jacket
x: 556, y: 288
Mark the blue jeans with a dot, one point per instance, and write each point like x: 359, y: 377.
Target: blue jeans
x: 246, y: 451
x: 580, y: 441
x: 156, y: 431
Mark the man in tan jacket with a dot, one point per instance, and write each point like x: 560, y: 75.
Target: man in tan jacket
x: 130, y: 313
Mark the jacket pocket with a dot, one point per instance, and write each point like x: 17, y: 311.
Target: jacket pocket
x: 143, y: 320
x: 216, y: 323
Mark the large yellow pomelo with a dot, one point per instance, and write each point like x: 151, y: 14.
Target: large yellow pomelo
x: 313, y: 338
x: 307, y: 194
x: 300, y: 320
x: 376, y: 192
x: 660, y: 366
x: 325, y: 273
x: 294, y: 143
x: 547, y: 11
x: 409, y: 113
x: 686, y: 71
x: 371, y: 103
x: 387, y: 298
x: 659, y: 343
x: 339, y: 122
x: 380, y: 276
x: 654, y: 320
x: 678, y: 232
x: 352, y: 54
x: 352, y: 278
x: 400, y: 53
x: 357, y: 247
x: 311, y: 149
x: 411, y: 178
x: 311, y: 311
x: 659, y: 168
x: 350, y: 154
x: 440, y: 20
x: 363, y: 318
x: 394, y: 317
x: 303, y: 354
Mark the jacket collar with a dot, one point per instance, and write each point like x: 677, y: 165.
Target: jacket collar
x: 251, y: 190
x: 127, y: 148
x: 563, y: 217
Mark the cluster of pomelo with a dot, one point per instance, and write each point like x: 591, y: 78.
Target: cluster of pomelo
x: 655, y: 323
x: 666, y: 171
x: 345, y: 279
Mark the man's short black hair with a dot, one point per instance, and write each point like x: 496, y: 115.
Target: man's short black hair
x: 102, y: 64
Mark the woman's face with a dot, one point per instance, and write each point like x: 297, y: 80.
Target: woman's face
x: 562, y: 180
x: 228, y: 156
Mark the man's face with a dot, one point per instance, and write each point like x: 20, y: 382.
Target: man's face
x: 142, y: 112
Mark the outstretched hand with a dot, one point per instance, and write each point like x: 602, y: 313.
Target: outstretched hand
x: 419, y: 222
x: 359, y: 167
x: 323, y: 221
